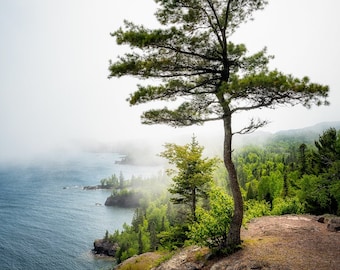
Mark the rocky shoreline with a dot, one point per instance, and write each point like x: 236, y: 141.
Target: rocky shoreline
x: 96, y: 187
x: 104, y: 247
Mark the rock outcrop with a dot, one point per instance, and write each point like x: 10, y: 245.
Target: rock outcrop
x: 333, y: 222
x: 128, y: 200
x: 105, y: 247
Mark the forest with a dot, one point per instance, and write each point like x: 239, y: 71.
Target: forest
x: 286, y: 175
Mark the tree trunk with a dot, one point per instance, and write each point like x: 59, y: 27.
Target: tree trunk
x: 194, y: 205
x: 234, y: 235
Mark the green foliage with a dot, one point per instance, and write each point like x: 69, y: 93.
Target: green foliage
x: 193, y: 177
x: 334, y: 191
x: 194, y: 57
x: 254, y: 208
x: 212, y: 226
x: 270, y: 186
x: 110, y: 182
x: 321, y: 182
x: 150, y: 229
x: 293, y: 177
x: 174, y: 237
x: 127, y: 244
x: 158, y: 223
x: 287, y: 206
x: 276, y: 181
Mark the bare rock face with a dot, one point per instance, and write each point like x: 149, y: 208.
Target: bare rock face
x: 105, y: 247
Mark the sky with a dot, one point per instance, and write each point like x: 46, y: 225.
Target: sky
x: 54, y: 58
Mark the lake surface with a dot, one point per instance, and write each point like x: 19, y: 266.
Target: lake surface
x: 47, y: 220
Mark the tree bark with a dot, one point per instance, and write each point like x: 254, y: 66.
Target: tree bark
x: 234, y: 236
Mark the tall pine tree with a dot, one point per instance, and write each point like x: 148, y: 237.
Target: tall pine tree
x: 194, y: 62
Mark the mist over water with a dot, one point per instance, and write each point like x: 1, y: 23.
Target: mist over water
x: 48, y: 221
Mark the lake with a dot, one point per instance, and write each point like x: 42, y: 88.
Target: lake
x: 49, y: 222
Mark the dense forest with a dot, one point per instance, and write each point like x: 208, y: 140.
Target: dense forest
x: 281, y: 177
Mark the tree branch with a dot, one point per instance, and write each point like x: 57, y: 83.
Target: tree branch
x: 253, y: 126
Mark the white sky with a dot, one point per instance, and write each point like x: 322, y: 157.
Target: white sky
x: 54, y: 58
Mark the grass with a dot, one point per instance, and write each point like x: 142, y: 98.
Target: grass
x: 145, y: 261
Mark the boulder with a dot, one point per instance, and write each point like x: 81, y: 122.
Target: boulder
x: 333, y: 225
x: 105, y: 247
x: 321, y: 219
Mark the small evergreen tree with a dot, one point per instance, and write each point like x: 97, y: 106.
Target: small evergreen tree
x: 106, y: 237
x: 140, y: 243
x: 121, y: 180
x: 193, y: 176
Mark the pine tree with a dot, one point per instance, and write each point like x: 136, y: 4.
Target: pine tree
x: 193, y: 177
x: 194, y: 62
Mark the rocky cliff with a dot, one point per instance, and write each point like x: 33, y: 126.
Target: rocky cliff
x: 128, y: 200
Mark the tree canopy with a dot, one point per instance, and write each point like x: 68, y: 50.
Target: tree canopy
x: 194, y: 59
x: 194, y: 65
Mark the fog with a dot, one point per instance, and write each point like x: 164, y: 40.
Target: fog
x: 55, y: 97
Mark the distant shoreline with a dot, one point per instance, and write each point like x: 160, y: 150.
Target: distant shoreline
x: 97, y: 187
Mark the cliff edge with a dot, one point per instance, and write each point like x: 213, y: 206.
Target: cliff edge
x: 292, y: 242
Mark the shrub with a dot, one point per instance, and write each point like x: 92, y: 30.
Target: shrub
x: 287, y: 206
x: 213, y: 225
x: 174, y: 237
x: 254, y: 208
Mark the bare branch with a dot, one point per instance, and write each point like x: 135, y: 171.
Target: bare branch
x: 253, y: 126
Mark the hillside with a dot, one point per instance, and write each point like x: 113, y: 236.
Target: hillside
x: 302, y: 135
x: 147, y: 152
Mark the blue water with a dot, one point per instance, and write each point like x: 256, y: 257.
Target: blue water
x: 47, y: 221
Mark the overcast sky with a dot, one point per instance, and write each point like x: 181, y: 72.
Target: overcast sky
x: 54, y: 54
